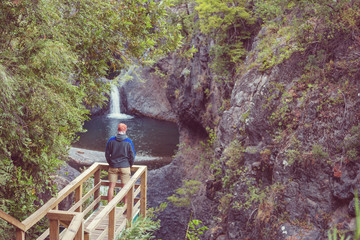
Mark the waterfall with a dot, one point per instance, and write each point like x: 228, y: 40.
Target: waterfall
x: 115, y: 105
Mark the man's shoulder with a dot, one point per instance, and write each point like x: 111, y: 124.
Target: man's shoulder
x: 112, y: 139
x: 128, y: 140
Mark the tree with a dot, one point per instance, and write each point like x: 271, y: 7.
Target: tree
x: 53, y: 55
x: 229, y: 23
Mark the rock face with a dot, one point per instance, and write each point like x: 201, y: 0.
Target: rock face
x: 144, y: 95
x: 291, y: 136
x: 194, y: 96
x: 303, y: 132
x: 162, y: 184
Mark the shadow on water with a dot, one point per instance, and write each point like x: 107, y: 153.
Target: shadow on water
x: 155, y: 141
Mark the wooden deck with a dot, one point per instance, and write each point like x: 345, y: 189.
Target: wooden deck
x: 89, y: 221
x: 101, y: 229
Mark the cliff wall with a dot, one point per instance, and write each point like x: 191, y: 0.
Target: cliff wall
x: 285, y: 162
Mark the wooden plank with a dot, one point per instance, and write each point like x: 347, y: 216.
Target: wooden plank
x: 74, y: 227
x: 136, y: 213
x: 78, y: 196
x: 111, y: 230
x: 137, y: 191
x: 97, y: 180
x: 137, y: 206
x: 41, y: 212
x: 83, y: 199
x: 61, y: 215
x: 54, y: 229
x: 104, y: 166
x: 80, y: 233
x: 101, y: 231
x: 12, y: 220
x: 143, y: 197
x: 91, y: 206
x: 103, y: 234
x: 86, y: 235
x: 20, y: 234
x: 130, y: 205
x: 104, y: 212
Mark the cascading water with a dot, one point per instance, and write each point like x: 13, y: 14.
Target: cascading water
x: 115, y: 105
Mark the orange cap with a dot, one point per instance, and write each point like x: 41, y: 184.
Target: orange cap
x: 122, y: 127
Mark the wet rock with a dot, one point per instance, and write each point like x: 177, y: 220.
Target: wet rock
x: 145, y: 94
x: 83, y: 158
x: 60, y: 183
x: 162, y: 183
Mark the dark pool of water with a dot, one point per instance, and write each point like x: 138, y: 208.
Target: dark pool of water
x: 151, y: 137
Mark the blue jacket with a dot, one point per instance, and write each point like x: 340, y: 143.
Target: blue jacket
x: 120, y: 152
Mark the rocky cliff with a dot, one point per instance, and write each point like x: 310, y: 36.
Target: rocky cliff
x: 285, y: 162
x: 276, y: 148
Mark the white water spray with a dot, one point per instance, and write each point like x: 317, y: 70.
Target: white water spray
x: 115, y: 105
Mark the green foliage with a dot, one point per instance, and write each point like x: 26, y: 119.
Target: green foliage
x: 153, y: 213
x: 227, y: 23
x: 184, y: 16
x: 318, y: 153
x: 53, y: 55
x: 195, y: 230
x: 234, y: 157
x: 293, y: 152
x: 142, y: 228
x: 183, y: 195
x: 212, y: 136
x: 252, y: 193
x: 295, y: 25
x: 333, y: 234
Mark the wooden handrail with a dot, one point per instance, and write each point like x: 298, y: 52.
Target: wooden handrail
x: 112, y: 204
x: 41, y: 212
x: 75, y: 221
x: 73, y: 218
x: 12, y: 221
x: 76, y: 228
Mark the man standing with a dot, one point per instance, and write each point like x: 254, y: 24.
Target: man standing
x: 120, y: 155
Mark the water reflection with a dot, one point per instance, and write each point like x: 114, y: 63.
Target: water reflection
x: 151, y: 137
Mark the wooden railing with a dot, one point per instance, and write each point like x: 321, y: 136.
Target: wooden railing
x: 74, y: 221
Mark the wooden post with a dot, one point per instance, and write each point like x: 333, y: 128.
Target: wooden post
x: 143, y: 193
x: 97, y: 192
x: 78, y: 196
x: 130, y: 205
x: 80, y: 233
x: 111, y: 229
x: 20, y: 234
x: 54, y: 229
x: 86, y: 236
